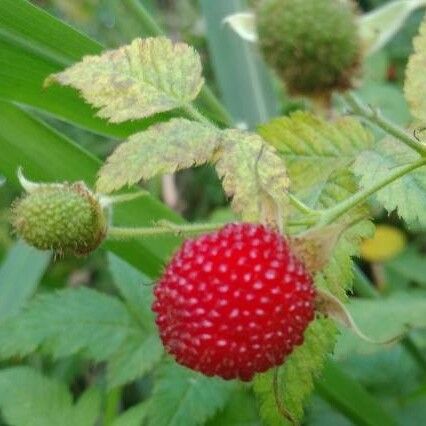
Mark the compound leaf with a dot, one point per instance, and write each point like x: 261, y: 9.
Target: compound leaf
x: 252, y: 174
x: 163, y: 148
x: 146, y: 77
x: 98, y: 326
x: 406, y: 195
x: 28, y: 398
x: 415, y: 81
x: 296, y: 376
x: 182, y: 397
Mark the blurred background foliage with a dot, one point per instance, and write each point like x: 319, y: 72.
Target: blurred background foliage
x: 392, y: 262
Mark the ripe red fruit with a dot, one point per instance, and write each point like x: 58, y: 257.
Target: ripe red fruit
x: 234, y: 302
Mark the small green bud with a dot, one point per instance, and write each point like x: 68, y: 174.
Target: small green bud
x: 314, y: 45
x: 66, y: 218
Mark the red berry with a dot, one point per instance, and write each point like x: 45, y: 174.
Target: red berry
x: 234, y: 302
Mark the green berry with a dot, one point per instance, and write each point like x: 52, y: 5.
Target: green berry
x: 314, y: 45
x: 65, y: 218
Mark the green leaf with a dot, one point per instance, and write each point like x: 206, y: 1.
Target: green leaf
x: 41, y: 150
x: 411, y: 265
x: 182, y: 397
x: 143, y: 350
x: 252, y: 173
x: 314, y: 149
x: 240, y: 410
x: 20, y: 274
x: 30, y: 52
x: 138, y: 80
x: 415, y: 80
x: 30, y: 399
x: 96, y: 324
x: 349, y: 397
x: 249, y: 93
x: 382, y: 320
x: 163, y: 148
x: 296, y: 376
x: 406, y: 195
x: 134, y: 416
x: 381, y: 24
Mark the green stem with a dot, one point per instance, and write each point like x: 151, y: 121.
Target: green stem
x: 150, y: 25
x: 330, y: 215
x: 301, y: 206
x: 365, y: 288
x: 389, y: 127
x: 164, y: 228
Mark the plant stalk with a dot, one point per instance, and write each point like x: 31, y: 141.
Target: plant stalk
x: 164, y: 228
x: 388, y: 126
x: 330, y: 215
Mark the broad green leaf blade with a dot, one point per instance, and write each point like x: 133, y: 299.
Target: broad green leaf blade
x: 46, y: 155
x: 28, y: 398
x: 411, y: 265
x: 163, y: 148
x: 382, y: 320
x: 20, y: 273
x: 182, y: 397
x: 252, y: 174
x: 97, y: 325
x: 296, y: 376
x: 146, y: 77
x: 142, y: 351
x: 381, y: 24
x: 244, y: 80
x: 314, y: 149
x: 134, y: 416
x: 240, y: 410
x: 349, y: 397
x: 30, y: 52
x: 415, y: 77
x: 407, y: 195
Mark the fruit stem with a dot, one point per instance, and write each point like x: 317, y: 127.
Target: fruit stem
x: 162, y: 228
x: 328, y: 216
x: 375, y: 117
x: 107, y: 200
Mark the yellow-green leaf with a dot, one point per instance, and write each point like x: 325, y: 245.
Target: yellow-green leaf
x: 143, y: 78
x: 253, y: 175
x: 163, y: 148
x: 415, y: 81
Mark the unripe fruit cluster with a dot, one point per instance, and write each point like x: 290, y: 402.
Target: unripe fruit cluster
x: 65, y: 218
x: 313, y: 45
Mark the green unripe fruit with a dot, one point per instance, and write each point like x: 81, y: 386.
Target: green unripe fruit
x: 314, y: 45
x: 66, y: 218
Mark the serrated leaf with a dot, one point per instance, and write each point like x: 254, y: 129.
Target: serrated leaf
x: 415, y: 80
x: 314, y: 149
x: 252, y: 174
x: 406, y: 195
x: 146, y: 77
x: 182, y: 397
x: 20, y: 273
x: 296, y: 376
x: 163, y: 148
x: 84, y: 322
x: 30, y: 399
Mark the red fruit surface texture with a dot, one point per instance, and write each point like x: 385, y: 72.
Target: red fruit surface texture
x: 234, y: 302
